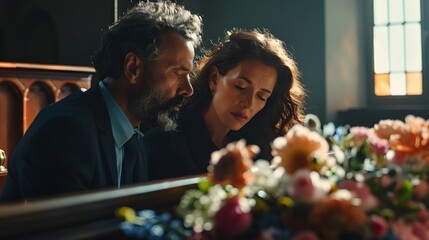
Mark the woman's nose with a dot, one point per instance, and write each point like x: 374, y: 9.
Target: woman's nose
x: 247, y: 101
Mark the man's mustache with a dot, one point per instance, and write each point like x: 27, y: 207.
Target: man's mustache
x: 179, y: 100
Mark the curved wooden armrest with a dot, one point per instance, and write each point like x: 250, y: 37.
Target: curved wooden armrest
x: 90, y: 214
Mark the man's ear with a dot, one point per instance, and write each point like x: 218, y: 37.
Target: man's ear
x: 213, y: 78
x: 133, y: 67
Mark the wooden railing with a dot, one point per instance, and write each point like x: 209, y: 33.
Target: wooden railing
x: 87, y: 215
x: 27, y: 88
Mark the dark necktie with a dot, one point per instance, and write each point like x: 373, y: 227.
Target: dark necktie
x: 131, y: 153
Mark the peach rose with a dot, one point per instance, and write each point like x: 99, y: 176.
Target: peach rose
x: 409, y: 136
x: 232, y: 164
x: 298, y: 147
x: 305, y: 235
x: 408, y: 140
x: 333, y: 217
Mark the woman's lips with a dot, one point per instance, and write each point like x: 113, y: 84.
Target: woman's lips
x: 239, y: 115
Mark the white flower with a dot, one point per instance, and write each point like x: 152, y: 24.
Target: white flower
x: 328, y: 129
x: 268, y: 178
x: 198, y: 209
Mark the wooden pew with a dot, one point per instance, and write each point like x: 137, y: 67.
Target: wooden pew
x: 3, y: 175
x: 26, y: 88
x: 88, y: 215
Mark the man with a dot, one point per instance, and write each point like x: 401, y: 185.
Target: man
x: 90, y: 140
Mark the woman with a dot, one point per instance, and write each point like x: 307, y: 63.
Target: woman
x: 246, y: 87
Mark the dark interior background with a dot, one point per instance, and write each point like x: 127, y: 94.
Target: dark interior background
x: 330, y: 40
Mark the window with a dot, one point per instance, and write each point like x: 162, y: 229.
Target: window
x: 398, y: 52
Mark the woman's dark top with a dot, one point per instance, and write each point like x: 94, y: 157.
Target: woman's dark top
x: 187, y: 150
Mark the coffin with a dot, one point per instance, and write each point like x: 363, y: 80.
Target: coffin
x: 89, y: 215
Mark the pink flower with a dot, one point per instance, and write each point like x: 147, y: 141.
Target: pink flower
x: 266, y: 234
x: 378, y: 145
x: 403, y: 230
x: 305, y: 235
x: 199, y: 236
x: 421, y: 189
x: 423, y: 215
x: 362, y: 191
x: 233, y: 217
x: 386, y: 180
x: 420, y: 230
x: 379, y: 226
x: 302, y: 186
x: 359, y: 134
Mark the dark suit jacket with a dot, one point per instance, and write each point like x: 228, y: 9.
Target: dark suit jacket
x: 69, y: 147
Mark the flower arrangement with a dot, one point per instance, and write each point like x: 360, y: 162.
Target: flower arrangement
x: 323, y: 183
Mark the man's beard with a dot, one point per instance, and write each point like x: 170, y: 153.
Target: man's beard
x: 149, y: 105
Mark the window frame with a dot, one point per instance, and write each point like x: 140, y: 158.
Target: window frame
x: 399, y: 101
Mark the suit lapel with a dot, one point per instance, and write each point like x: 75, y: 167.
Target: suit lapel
x: 109, y: 156
x: 104, y: 129
x: 131, y: 153
x: 140, y: 166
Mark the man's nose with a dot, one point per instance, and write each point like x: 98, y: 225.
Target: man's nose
x: 186, y: 88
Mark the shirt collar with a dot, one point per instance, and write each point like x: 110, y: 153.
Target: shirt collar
x: 121, y: 126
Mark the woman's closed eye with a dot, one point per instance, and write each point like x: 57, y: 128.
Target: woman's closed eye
x: 240, y: 86
x: 262, y: 98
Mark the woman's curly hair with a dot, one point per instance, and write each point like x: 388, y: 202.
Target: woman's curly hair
x: 285, y: 106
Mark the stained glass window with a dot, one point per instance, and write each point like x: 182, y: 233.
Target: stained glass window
x: 397, y: 48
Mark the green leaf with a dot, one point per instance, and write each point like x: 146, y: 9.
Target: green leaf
x: 204, y: 185
x: 404, y: 193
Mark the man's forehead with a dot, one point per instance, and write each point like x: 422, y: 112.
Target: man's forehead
x: 173, y: 40
x: 176, y: 51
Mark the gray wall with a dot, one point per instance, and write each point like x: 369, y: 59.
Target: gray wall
x: 345, y: 58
